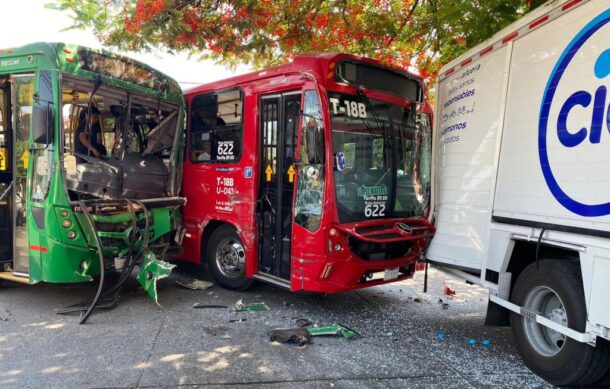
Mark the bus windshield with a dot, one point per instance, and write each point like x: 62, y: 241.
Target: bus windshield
x: 382, y: 154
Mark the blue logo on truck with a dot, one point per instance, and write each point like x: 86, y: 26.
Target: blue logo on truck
x: 595, y: 101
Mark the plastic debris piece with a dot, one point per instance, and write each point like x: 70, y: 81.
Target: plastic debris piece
x: 447, y: 290
x: 445, y: 306
x: 335, y: 329
x: 441, y: 335
x: 486, y: 342
x: 300, y: 336
x: 239, y: 320
x: 199, y: 305
x: 303, y: 322
x: 472, y: 342
x: 417, y: 300
x: 195, y: 284
x: 254, y: 307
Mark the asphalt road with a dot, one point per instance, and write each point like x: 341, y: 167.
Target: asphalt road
x: 141, y: 345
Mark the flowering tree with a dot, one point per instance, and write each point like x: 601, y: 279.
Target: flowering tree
x: 424, y: 34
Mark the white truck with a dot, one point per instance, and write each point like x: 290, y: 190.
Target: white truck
x: 521, y: 191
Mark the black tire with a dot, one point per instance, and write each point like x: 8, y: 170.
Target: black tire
x: 572, y: 363
x: 225, y: 240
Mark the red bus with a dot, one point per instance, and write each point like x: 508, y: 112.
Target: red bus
x: 314, y: 175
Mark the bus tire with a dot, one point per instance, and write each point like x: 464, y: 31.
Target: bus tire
x: 226, y: 259
x: 554, y: 288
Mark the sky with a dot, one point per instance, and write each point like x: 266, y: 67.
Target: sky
x: 28, y: 21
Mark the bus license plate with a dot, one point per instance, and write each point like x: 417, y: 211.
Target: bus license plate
x: 390, y: 274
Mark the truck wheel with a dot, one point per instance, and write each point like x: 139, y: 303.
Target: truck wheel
x: 226, y: 258
x: 554, y: 289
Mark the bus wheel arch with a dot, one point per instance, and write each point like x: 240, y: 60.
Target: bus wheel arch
x: 554, y: 288
x: 225, y: 255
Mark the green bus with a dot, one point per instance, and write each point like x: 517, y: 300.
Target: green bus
x: 90, y: 165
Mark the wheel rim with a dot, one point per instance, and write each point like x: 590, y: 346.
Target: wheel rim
x: 546, y: 302
x: 231, y: 258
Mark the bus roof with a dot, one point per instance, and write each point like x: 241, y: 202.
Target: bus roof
x: 316, y: 63
x: 114, y: 68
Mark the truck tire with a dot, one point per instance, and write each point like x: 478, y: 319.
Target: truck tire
x: 226, y: 259
x: 554, y: 289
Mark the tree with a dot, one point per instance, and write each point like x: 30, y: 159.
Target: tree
x: 424, y: 34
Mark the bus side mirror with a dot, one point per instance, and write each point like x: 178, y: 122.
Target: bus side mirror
x: 42, y: 123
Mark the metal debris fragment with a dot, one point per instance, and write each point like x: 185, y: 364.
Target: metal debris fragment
x: 153, y: 270
x: 212, y: 306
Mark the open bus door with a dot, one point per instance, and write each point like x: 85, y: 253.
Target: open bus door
x: 16, y: 94
x: 6, y: 176
x: 279, y: 115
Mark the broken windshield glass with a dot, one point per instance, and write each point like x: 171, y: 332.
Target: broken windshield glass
x: 117, y: 144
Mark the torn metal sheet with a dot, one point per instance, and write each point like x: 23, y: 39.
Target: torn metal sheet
x: 335, y: 329
x: 153, y: 270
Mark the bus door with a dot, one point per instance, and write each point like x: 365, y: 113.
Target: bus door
x: 6, y: 176
x: 21, y: 109
x: 279, y: 115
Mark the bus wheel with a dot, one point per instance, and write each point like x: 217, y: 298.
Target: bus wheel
x: 553, y: 288
x: 226, y: 259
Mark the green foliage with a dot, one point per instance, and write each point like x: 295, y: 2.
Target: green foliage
x: 421, y: 33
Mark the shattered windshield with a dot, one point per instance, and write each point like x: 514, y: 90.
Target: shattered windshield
x: 382, y: 154
x: 117, y: 144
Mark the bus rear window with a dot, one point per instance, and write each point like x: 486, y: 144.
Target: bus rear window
x: 216, y: 127
x: 380, y: 79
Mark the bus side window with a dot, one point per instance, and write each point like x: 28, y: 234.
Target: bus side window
x: 310, y: 184
x: 216, y: 127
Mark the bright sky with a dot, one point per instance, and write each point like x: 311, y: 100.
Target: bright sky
x: 28, y: 21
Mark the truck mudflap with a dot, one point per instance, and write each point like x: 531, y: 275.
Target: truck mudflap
x: 528, y: 314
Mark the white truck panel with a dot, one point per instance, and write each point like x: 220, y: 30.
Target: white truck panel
x: 522, y: 132
x: 582, y: 171
x: 466, y: 146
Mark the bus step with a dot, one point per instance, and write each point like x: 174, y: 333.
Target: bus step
x: 272, y: 280
x: 9, y: 276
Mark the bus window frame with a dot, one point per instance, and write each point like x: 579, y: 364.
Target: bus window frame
x: 189, y: 131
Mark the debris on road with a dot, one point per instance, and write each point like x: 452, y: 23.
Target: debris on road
x: 300, y: 336
x: 238, y: 320
x: 447, y: 290
x: 303, y: 322
x: 208, y: 306
x: 335, y: 329
x: 195, y: 284
x: 445, y: 306
x: 253, y: 307
x: 441, y: 335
